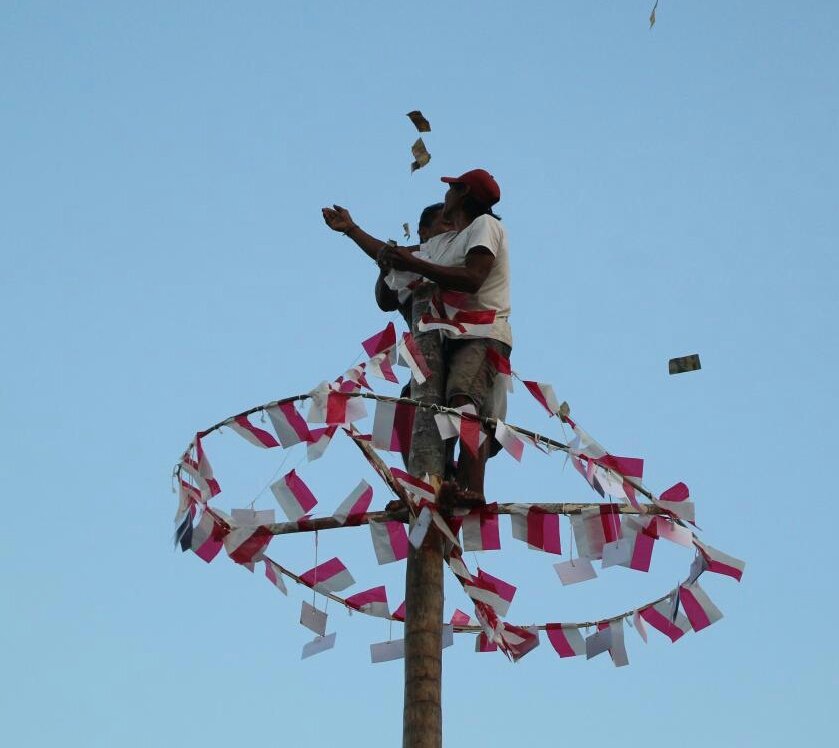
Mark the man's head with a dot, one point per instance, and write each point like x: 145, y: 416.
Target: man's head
x: 474, y: 193
x: 432, y: 223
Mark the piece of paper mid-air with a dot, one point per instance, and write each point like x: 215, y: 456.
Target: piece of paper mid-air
x: 684, y: 363
x: 577, y: 570
x: 406, y: 230
x: 316, y: 646
x: 420, y: 154
x: 420, y: 122
x: 313, y: 619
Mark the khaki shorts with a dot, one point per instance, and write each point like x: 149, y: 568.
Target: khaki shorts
x: 471, y: 375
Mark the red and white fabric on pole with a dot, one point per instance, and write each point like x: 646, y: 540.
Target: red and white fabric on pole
x: 373, y: 602
x: 412, y: 357
x: 660, y: 617
x: 319, y: 440
x: 355, y: 505
x: 480, y: 529
x: 617, y: 646
x: 566, y: 640
x: 390, y: 541
x: 477, y: 323
x: 544, y: 394
x: 393, y: 425
x: 380, y: 342
x: 517, y: 641
x: 274, y: 574
x: 537, y: 528
x: 484, y: 644
x: 699, y: 609
x: 293, y: 496
x: 593, y: 528
x: 207, y: 537
x: 255, y: 435
x: 200, y: 470
x: 419, y: 488
x: 399, y: 613
x: 494, y: 592
x: 677, y: 492
x: 465, y: 425
x: 330, y: 576
x: 721, y: 563
x: 503, y: 369
x: 381, y: 366
x: 289, y: 425
x: 509, y: 439
x: 246, y: 545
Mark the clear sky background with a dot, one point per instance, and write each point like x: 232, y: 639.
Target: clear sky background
x: 165, y: 265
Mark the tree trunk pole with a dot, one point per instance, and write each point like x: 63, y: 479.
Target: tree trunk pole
x: 422, y: 725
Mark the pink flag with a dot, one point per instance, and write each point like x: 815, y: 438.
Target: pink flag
x: 393, y: 425
x: 293, y: 496
x: 484, y: 644
x: 701, y: 612
x: 659, y: 616
x: 465, y: 425
x: 256, y: 436
x: 412, y: 356
x: 207, y: 537
x: 721, y: 563
x: 381, y: 341
x: 381, y: 367
x: 201, y: 472
x: 566, y: 640
x: 677, y: 492
x: 245, y: 545
x: 537, y: 528
x: 508, y: 439
x: 518, y: 641
x: 490, y: 590
x: 480, y: 530
x: 501, y: 364
x: 373, y: 602
x: 288, y: 424
x: 642, y: 552
x: 390, y: 541
x: 274, y: 575
x: 330, y: 576
x: 593, y: 528
x: 544, y: 395
x: 459, y: 618
x: 355, y: 505
x: 631, y: 467
x: 399, y: 613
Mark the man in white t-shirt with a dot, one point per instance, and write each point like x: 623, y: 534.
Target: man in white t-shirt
x: 471, y: 260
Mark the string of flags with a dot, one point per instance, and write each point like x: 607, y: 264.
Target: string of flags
x: 620, y: 531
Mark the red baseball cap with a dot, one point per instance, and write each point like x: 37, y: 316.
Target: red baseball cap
x: 481, y: 184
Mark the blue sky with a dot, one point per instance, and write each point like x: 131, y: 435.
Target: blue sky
x: 665, y: 192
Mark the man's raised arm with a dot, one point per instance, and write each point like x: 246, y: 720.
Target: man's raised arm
x: 339, y: 219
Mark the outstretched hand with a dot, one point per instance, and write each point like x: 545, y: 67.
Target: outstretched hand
x: 338, y: 218
x: 398, y: 258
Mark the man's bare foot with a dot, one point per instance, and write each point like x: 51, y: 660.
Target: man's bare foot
x: 395, y: 505
x: 452, y: 495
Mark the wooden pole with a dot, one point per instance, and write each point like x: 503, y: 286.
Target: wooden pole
x: 422, y: 725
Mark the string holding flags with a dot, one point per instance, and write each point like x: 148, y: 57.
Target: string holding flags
x: 619, y: 529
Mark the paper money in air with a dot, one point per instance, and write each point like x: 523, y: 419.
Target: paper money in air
x: 652, y: 18
x: 406, y: 230
x: 685, y: 363
x: 421, y: 156
x: 420, y: 122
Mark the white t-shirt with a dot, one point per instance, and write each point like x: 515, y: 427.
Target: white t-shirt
x: 450, y: 250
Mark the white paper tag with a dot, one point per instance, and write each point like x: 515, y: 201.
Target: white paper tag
x: 251, y: 518
x: 617, y: 553
x: 386, y: 651
x: 313, y: 619
x: 316, y: 646
x: 598, y: 643
x: 420, y: 528
x: 576, y: 570
x: 448, y: 635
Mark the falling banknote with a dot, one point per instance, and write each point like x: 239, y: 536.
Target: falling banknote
x: 420, y: 122
x: 685, y: 363
x: 406, y: 230
x: 421, y: 156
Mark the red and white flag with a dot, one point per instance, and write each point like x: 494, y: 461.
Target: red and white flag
x: 630, y: 467
x: 293, y: 496
x: 411, y: 356
x: 488, y: 589
x: 484, y: 644
x: 381, y: 341
x: 201, y: 471
x: 255, y: 435
x: 419, y: 488
x: 642, y: 552
x: 593, y: 528
x: 355, y: 505
x: 288, y: 424
x: 699, y: 609
x: 721, y: 563
x: 544, y: 394
x: 677, y: 492
x: 330, y: 576
x: 399, y: 613
x: 460, y: 619
x: 475, y: 323
x: 617, y: 647
x: 319, y: 440
x: 373, y: 602
x: 517, y: 641
x: 274, y: 574
x: 208, y: 537
x: 663, y: 527
x: 660, y: 617
x: 246, y: 545
x: 467, y: 428
x: 381, y: 366
x: 566, y: 640
x: 508, y: 438
x: 390, y: 541
x: 393, y: 425
x: 537, y: 528
x: 336, y: 404
x: 502, y: 367
x: 480, y: 530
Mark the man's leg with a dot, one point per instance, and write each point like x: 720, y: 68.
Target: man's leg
x: 470, y: 468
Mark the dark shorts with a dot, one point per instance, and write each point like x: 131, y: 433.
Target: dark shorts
x: 470, y: 373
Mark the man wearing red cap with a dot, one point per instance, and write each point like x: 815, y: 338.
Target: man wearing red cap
x: 473, y: 260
